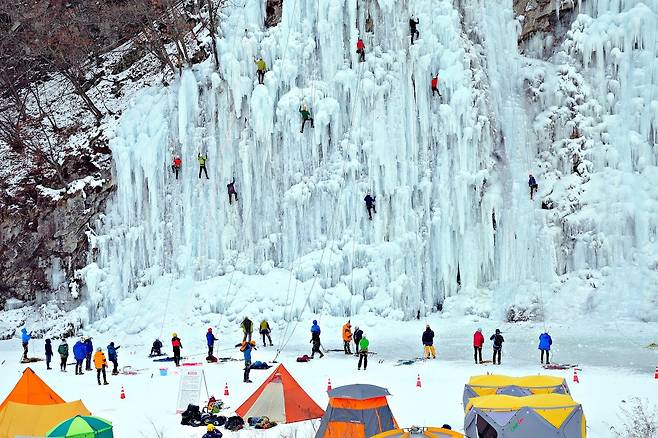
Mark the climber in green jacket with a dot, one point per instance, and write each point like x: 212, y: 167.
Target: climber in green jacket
x: 306, y: 115
x: 202, y: 164
x: 363, y: 352
x: 261, y: 69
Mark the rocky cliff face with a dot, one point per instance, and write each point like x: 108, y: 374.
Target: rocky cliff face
x: 540, y: 15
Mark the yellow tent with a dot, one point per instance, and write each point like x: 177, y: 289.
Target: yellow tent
x: 492, y: 384
x: 533, y: 416
x: 19, y: 419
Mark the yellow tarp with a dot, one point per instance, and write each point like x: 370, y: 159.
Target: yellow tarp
x: 555, y: 408
x: 19, y: 419
x: 489, y: 384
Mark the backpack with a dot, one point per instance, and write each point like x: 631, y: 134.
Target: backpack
x: 234, y: 423
x: 303, y: 358
x: 63, y: 349
x: 191, y: 416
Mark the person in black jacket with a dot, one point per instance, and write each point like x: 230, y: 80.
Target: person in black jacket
x: 413, y: 29
x: 370, y: 205
x: 428, y: 343
x: 358, y: 334
x: 49, y: 353
x: 498, y: 340
x: 156, y: 349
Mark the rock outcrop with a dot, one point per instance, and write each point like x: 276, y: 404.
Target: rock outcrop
x: 540, y: 15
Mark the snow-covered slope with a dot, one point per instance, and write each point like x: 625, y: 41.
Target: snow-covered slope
x: 454, y: 220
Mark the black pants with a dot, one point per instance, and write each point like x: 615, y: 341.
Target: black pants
x: 362, y: 55
x: 356, y: 346
x: 547, y: 354
x: 263, y: 334
x: 496, y: 352
x: 246, y: 337
x: 414, y: 32
x: 309, y: 119
x: 204, y: 170
x: 62, y: 363
x: 316, y: 349
x: 100, y: 371
x: 177, y: 356
x: 230, y: 197
x: 48, y: 359
x: 477, y: 354
x: 175, y: 170
x: 261, y: 76
x: 436, y: 90
x: 25, y: 350
x: 247, y: 369
x: 78, y: 366
x: 210, y: 350
x: 363, y: 358
x: 88, y: 363
x: 115, y: 369
x: 533, y: 190
x: 347, y: 347
x: 371, y: 210
x: 155, y: 352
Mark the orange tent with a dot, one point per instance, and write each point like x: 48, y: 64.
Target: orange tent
x: 281, y: 399
x: 31, y: 390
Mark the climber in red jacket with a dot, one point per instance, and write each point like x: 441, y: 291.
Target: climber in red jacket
x: 435, y: 85
x: 175, y: 165
x: 361, y: 50
x: 478, y: 341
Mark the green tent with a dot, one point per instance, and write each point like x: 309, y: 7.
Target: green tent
x: 82, y: 427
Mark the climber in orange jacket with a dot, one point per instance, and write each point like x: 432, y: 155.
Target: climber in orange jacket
x: 347, y: 337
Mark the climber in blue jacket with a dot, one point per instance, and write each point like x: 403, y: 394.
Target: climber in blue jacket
x: 210, y: 338
x: 532, y: 183
x: 90, y: 350
x: 545, y: 343
x: 79, y: 354
x: 315, y: 328
x: 25, y: 338
x: 113, y: 357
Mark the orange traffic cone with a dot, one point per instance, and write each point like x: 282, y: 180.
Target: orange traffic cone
x: 655, y: 376
x: 418, y: 384
x: 123, y: 394
x: 226, y: 389
x: 328, y: 385
x: 575, y: 375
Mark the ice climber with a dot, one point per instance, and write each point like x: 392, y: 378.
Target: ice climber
x: 306, y: 116
x: 230, y: 188
x: 89, y: 347
x: 79, y: 354
x: 261, y: 68
x: 358, y: 334
x: 49, y: 353
x: 113, y: 357
x: 478, y: 341
x: 264, y: 331
x: 532, y: 183
x: 315, y: 340
x: 246, y: 348
x: 498, y: 340
x: 25, y: 339
x: 156, y: 349
x: 370, y: 205
x: 545, y: 343
x: 175, y: 165
x: 176, y: 346
x: 63, y: 351
x: 100, y: 363
x: 247, y: 328
x: 428, y: 343
x: 347, y: 337
x: 435, y: 85
x: 202, y: 164
x: 361, y: 50
x: 212, y: 432
x: 363, y: 352
x: 413, y: 28
x: 210, y: 340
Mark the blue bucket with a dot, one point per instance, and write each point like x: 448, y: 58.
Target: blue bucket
x: 163, y: 371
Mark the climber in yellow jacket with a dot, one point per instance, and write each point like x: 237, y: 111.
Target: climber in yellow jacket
x: 261, y: 68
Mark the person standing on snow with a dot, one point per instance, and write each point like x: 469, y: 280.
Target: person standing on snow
x: 176, y: 346
x: 315, y: 340
x: 358, y: 334
x: 306, y: 116
x: 498, y: 340
x: 63, y: 351
x: 113, y: 357
x: 25, y: 339
x: 202, y: 164
x: 478, y: 342
x: 363, y: 352
x: 79, y: 354
x: 246, y: 348
x: 347, y: 337
x: 413, y: 28
x: 175, y: 165
x: 428, y: 343
x: 435, y: 85
x: 532, y: 183
x: 370, y: 205
x: 49, y: 353
x: 230, y: 188
x: 210, y: 339
x: 100, y: 363
x: 361, y: 50
x: 247, y: 328
x: 265, y: 330
x: 261, y: 68
x: 545, y: 342
x: 89, y: 347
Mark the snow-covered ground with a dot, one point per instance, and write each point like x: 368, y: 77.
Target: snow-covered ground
x: 615, y: 364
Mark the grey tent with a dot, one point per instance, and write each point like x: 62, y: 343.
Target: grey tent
x: 491, y: 384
